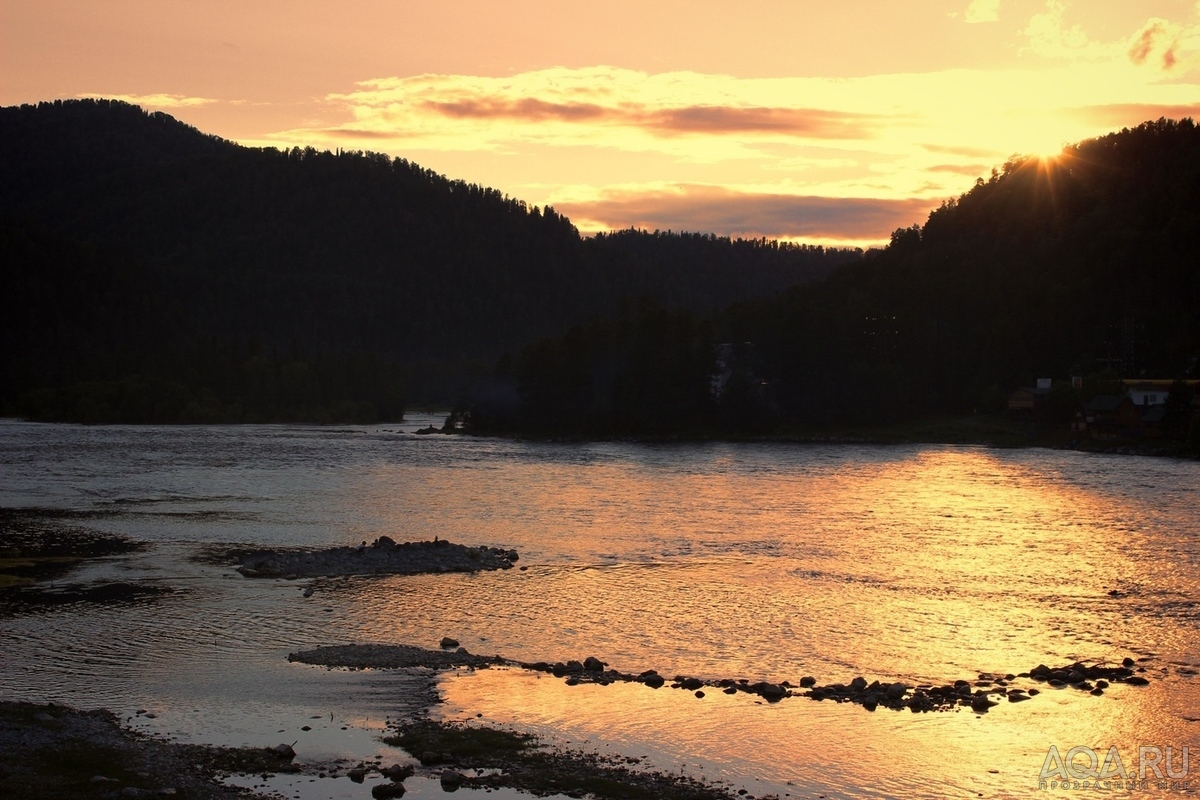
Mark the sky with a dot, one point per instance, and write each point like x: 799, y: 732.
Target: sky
x: 830, y: 122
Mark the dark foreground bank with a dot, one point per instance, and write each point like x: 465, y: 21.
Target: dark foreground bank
x: 49, y: 752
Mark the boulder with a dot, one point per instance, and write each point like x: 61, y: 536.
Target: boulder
x: 386, y: 791
x: 896, y: 691
x: 451, y: 780
x: 593, y: 664
x: 398, y: 772
x: 449, y: 643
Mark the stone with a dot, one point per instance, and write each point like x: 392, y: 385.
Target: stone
x: 808, y: 681
x: 691, y: 684
x: 451, y: 780
x: 358, y: 774
x: 284, y: 751
x: 858, y: 684
x: 771, y: 692
x: 398, y: 772
x: 654, y: 681
x: 385, y: 791
x: 593, y: 664
x: 896, y: 691
x: 699, y: 694
x: 430, y: 758
x: 448, y: 643
x: 981, y: 703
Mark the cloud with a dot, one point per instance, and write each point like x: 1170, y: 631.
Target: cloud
x: 691, y: 116
x: 970, y: 170
x: 735, y: 213
x: 1157, y: 41
x: 682, y: 120
x: 1119, y: 115
x: 983, y: 11
x: 1048, y: 36
x: 157, y: 100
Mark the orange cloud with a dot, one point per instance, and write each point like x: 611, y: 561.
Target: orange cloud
x: 1155, y: 37
x: 696, y: 119
x: 734, y: 213
x: 970, y: 170
x: 1129, y: 114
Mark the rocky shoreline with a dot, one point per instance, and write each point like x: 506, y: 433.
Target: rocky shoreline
x: 382, y: 557
x: 48, y: 752
x: 980, y: 693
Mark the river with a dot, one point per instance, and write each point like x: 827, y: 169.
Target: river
x: 766, y: 561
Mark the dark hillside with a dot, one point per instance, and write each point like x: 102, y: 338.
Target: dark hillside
x: 1086, y: 265
x: 308, y: 253
x: 1051, y: 268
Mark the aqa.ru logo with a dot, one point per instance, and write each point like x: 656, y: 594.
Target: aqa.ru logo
x: 1082, y: 767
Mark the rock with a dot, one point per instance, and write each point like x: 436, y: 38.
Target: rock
x: 398, y: 772
x: 385, y: 541
x: 283, y: 751
x: 1127, y: 662
x: 593, y: 664
x: 1016, y: 697
x: 858, y: 684
x: 981, y: 703
x: 654, y: 681
x: 449, y: 643
x: 771, y: 692
x: 808, y: 681
x: 574, y: 666
x: 451, y: 780
x: 870, y: 703
x: 1136, y: 680
x: 691, y: 684
x: 385, y: 791
x: 896, y: 691
x: 730, y: 690
x: 699, y: 694
x: 358, y: 774
x: 430, y: 758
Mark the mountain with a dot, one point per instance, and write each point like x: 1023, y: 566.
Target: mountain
x: 210, y: 251
x: 1081, y: 265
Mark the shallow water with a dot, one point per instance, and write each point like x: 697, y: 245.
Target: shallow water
x: 763, y: 561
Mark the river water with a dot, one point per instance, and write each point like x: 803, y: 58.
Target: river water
x: 763, y: 561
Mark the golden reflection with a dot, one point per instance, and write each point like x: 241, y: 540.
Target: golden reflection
x: 908, y: 563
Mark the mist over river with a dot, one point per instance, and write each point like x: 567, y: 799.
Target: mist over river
x: 766, y: 561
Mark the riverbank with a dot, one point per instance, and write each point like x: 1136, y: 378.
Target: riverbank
x: 48, y: 752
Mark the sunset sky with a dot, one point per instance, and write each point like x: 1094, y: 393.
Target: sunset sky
x: 824, y: 122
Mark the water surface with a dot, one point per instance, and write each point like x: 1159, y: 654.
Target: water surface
x: 763, y: 561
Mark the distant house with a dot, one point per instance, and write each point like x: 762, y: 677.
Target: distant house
x: 1111, y: 416
x: 1152, y: 392
x: 1028, y: 402
x: 1148, y: 393
x: 1152, y: 421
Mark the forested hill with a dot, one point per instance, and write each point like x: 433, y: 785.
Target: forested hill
x: 1083, y: 265
x: 220, y: 254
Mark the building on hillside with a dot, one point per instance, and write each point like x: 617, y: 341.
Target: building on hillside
x: 1028, y: 402
x: 1113, y: 416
